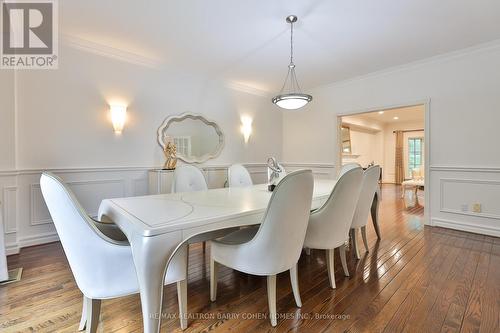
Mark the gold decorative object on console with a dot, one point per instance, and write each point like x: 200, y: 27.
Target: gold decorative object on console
x: 170, y: 152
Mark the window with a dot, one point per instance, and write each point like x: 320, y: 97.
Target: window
x: 183, y: 145
x: 415, y: 147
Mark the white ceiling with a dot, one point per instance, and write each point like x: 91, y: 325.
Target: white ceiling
x: 405, y: 114
x: 247, y: 42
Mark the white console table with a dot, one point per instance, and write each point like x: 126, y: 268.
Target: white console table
x: 160, y: 181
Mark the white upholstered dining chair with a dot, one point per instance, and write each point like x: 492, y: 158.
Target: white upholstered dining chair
x: 329, y: 225
x: 102, y: 266
x: 275, y: 246
x: 360, y: 219
x: 188, y: 178
x: 347, y: 167
x: 238, y: 176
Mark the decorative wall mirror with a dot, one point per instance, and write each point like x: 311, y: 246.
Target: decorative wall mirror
x: 196, y: 138
x: 346, y: 140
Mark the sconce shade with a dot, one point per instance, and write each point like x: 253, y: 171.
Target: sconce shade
x: 246, y: 128
x: 118, y: 116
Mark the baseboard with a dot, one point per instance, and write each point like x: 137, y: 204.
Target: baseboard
x: 462, y: 226
x: 11, y: 249
x: 40, y: 239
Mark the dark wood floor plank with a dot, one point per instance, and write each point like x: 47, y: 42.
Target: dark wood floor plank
x: 406, y: 308
x: 375, y: 316
x: 490, y: 307
x: 472, y: 317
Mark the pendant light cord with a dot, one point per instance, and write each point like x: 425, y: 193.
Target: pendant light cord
x: 291, y: 77
x: 291, y: 43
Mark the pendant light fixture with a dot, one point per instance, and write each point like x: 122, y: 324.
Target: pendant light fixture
x: 290, y: 96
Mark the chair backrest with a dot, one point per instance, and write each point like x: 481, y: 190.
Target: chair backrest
x: 347, y: 167
x: 188, y: 178
x: 329, y: 225
x: 281, y: 235
x: 238, y: 176
x: 368, y: 189
x: 87, y: 249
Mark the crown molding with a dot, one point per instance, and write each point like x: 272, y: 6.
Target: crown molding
x: 247, y: 89
x: 111, y: 52
x: 445, y: 57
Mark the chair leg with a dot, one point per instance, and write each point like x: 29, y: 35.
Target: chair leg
x: 365, y: 240
x: 93, y: 312
x: 308, y: 251
x: 354, y: 239
x: 294, y: 278
x: 204, y: 246
x: 83, y: 320
x: 213, y: 280
x: 271, y: 299
x: 330, y: 266
x: 343, y: 259
x: 182, y: 299
x: 374, y: 213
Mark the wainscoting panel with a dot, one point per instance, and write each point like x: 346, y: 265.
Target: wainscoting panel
x: 9, y: 209
x: 89, y: 193
x: 455, y: 190
x: 216, y: 176
x: 39, y: 214
x: 140, y: 186
x: 26, y: 219
x: 258, y: 172
x: 459, y: 195
x: 320, y: 170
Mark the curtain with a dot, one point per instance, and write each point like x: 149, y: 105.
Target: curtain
x: 399, y: 167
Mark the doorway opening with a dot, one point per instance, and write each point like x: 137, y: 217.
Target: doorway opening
x: 396, y: 140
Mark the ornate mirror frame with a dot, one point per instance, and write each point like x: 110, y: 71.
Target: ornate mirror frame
x: 187, y: 115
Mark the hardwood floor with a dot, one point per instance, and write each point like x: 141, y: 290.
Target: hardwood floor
x: 416, y: 279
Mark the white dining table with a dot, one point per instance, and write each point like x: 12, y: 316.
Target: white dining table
x: 156, y: 225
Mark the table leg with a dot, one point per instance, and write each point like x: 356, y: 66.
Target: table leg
x: 151, y: 255
x: 374, y: 213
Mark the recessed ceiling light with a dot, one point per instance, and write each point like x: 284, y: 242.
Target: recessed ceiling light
x: 381, y: 112
x: 395, y: 118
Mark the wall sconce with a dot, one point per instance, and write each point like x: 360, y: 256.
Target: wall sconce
x: 246, y: 127
x: 118, y: 116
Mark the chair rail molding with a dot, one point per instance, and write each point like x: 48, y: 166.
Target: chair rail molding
x: 465, y: 168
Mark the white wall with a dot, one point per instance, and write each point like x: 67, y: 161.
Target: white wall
x: 7, y: 120
x: 61, y: 122
x: 464, y: 135
x: 63, y: 114
x: 369, y: 147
